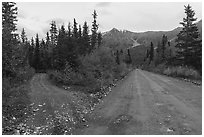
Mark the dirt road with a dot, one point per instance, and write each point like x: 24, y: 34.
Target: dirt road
x: 141, y: 103
x: 147, y: 103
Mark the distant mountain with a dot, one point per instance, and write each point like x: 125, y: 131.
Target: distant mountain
x: 199, y: 25
x: 118, y: 39
x: 138, y: 43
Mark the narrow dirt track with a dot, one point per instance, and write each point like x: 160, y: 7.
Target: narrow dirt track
x: 147, y: 103
x: 55, y: 110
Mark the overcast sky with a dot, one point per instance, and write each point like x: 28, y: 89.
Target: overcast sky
x: 136, y: 17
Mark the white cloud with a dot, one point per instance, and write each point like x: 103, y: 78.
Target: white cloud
x: 36, y: 17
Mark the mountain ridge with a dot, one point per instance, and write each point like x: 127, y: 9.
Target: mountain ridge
x: 127, y: 37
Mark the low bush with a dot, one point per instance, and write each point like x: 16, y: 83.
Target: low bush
x: 183, y: 72
x: 96, y: 70
x: 15, y: 98
x: 120, y: 71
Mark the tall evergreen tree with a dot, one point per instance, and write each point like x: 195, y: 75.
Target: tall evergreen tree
x: 99, y: 38
x: 80, y: 32
x: 36, y: 61
x: 86, y: 39
x: 75, y: 30
x: 31, y: 52
x: 53, y: 41
x: 47, y: 38
x: 81, y: 42
x: 59, y: 55
x: 188, y: 42
x: 94, y: 31
x: 117, y: 57
x: 9, y: 18
x: 43, y: 61
x: 47, y: 43
x: 61, y: 36
x: 151, y: 53
x: 53, y: 33
x: 164, y: 42
x: 48, y: 51
x: 147, y: 53
x: 69, y: 30
x: 129, y: 57
x: 23, y: 36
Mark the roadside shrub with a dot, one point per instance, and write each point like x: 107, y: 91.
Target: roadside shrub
x: 120, y: 71
x: 56, y: 76
x: 6, y: 92
x: 160, y: 68
x: 96, y: 70
x: 25, y: 73
x: 183, y: 72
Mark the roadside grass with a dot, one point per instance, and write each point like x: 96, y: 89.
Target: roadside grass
x: 15, y: 99
x: 183, y: 72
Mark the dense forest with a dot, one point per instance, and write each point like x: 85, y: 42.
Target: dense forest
x: 78, y: 55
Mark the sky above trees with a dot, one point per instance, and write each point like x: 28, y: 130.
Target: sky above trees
x: 136, y: 17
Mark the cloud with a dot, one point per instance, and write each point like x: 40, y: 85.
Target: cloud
x: 45, y: 30
x: 29, y: 33
x: 32, y: 27
x: 103, y: 4
x: 21, y: 15
x: 57, y: 20
x: 105, y: 12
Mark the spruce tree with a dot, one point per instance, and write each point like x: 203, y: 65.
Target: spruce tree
x: 151, y: 53
x: 80, y: 33
x: 75, y: 30
x: 61, y: 36
x: 117, y: 58
x: 189, y: 46
x: 47, y: 41
x: 59, y: 55
x: 53, y: 41
x: 80, y: 42
x: 69, y: 30
x: 147, y: 53
x: 86, y: 39
x: 31, y: 52
x: 23, y: 36
x: 164, y: 42
x: 129, y: 57
x: 94, y: 31
x: 42, y: 53
x: 48, y: 50
x: 99, y: 38
x: 9, y: 18
x: 53, y: 33
x: 36, y: 61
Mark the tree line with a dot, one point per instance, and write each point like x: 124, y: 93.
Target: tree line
x: 63, y: 45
